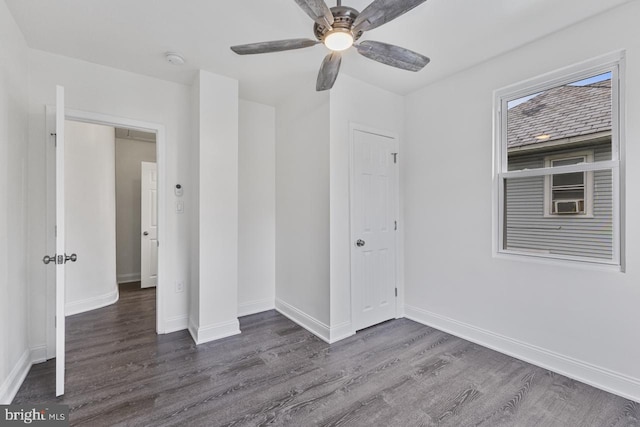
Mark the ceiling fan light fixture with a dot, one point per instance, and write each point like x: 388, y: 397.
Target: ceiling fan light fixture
x: 338, y: 39
x: 338, y: 28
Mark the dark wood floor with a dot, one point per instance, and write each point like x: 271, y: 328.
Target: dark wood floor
x: 400, y: 373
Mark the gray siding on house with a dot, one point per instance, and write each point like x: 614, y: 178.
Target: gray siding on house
x: 528, y: 229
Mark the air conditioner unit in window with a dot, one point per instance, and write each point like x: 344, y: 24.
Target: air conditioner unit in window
x: 569, y: 206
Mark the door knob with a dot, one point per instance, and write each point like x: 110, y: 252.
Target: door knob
x: 146, y: 233
x: 72, y: 258
x: 359, y: 243
x: 47, y: 259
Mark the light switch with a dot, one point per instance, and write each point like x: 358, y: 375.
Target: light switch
x: 179, y: 206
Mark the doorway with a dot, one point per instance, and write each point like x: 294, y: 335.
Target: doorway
x: 115, y: 122
x: 136, y: 207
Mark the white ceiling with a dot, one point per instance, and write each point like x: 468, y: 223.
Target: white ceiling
x: 133, y: 35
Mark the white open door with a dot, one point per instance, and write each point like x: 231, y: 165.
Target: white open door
x: 60, y: 257
x: 149, y: 225
x: 374, y: 201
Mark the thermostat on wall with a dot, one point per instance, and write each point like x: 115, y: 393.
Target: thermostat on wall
x: 179, y: 190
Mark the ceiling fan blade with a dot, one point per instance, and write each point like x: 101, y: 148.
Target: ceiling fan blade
x: 274, y: 46
x: 318, y: 11
x: 328, y: 71
x: 395, y: 56
x: 382, y: 11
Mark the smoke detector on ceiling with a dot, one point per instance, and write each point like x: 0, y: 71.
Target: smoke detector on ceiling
x: 174, y: 58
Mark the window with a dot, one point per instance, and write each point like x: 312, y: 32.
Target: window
x: 557, y: 176
x: 569, y: 193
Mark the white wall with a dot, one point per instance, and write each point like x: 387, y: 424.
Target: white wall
x: 216, y: 110
x: 90, y: 206
x: 313, y: 240
x: 352, y: 102
x: 578, y: 321
x: 129, y: 154
x: 99, y: 89
x: 256, y: 207
x: 302, y: 210
x: 15, y: 355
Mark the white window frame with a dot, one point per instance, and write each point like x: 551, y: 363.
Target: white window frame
x: 588, y: 155
x: 614, y: 63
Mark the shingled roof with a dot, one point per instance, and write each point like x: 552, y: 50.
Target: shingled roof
x: 561, y: 112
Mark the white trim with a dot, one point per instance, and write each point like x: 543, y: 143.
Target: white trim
x: 399, y: 260
x: 60, y: 237
x: 88, y: 304
x: 401, y: 308
x: 596, y: 376
x: 193, y: 330
x: 176, y: 323
x: 203, y: 334
x: 38, y: 354
x: 14, y: 380
x: 163, y: 252
x: 340, y: 332
x: 320, y: 329
x: 619, y: 143
x: 256, y: 306
x: 582, y: 167
x: 128, y: 277
x: 540, y: 257
x: 310, y: 323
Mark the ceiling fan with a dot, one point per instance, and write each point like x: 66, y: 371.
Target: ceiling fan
x: 339, y: 28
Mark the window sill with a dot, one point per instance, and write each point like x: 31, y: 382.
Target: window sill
x: 554, y: 260
x: 569, y: 216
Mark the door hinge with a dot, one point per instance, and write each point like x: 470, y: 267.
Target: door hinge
x: 395, y: 225
x: 55, y: 231
x: 396, y: 292
x: 395, y: 157
x: 55, y: 138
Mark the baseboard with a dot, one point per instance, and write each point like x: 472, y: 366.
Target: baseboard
x: 10, y: 386
x: 340, y: 332
x: 77, y: 307
x: 203, y: 334
x: 39, y: 354
x: 257, y: 306
x: 400, y: 312
x: 128, y: 278
x: 310, y: 323
x: 193, y: 330
x: 177, y: 323
x: 596, y: 376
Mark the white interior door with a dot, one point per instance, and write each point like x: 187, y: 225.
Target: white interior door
x: 374, y: 201
x: 149, y: 225
x: 60, y: 257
